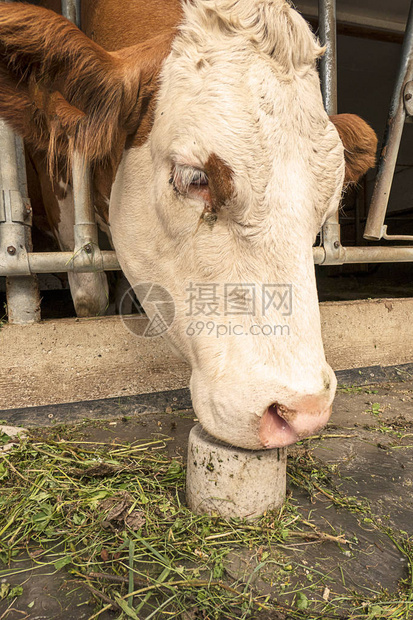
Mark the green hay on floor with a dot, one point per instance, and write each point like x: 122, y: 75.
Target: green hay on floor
x: 113, y: 517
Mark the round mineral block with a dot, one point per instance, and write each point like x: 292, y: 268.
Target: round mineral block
x: 233, y: 482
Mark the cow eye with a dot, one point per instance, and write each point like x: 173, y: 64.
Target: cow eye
x: 187, y: 180
x: 199, y: 178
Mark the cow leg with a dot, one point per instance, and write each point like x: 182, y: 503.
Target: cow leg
x: 90, y: 291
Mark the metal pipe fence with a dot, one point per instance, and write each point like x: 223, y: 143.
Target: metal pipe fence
x: 23, y: 298
x: 327, y: 21
x: 401, y: 107
x: 17, y: 261
x: 19, y: 264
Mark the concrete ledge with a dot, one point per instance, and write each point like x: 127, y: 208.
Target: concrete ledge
x: 167, y: 402
x: 84, y: 359
x: 372, y: 332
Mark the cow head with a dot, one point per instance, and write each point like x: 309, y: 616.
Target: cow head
x: 227, y: 166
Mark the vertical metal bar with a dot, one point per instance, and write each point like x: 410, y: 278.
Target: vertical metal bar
x: 395, y: 122
x: 328, y: 73
x: 71, y: 10
x: 328, y: 66
x: 86, y: 230
x: 23, y: 300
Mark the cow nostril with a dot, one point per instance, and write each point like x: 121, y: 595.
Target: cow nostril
x: 281, y: 426
x: 273, y: 424
x: 285, y: 414
x: 276, y: 412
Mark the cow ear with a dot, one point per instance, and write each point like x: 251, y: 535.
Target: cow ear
x: 61, y: 91
x: 360, y: 145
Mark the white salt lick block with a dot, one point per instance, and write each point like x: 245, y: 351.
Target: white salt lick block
x: 233, y: 482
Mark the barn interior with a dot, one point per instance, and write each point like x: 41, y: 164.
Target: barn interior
x: 340, y: 547
x: 369, y: 42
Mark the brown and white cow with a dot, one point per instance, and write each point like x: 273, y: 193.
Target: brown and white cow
x: 210, y: 143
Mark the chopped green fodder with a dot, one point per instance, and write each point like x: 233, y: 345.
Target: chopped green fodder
x: 113, y: 517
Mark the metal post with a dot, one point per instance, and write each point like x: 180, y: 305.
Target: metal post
x: 397, y: 115
x: 328, y: 65
x: 328, y: 74
x: 23, y: 300
x: 86, y: 230
x: 71, y: 10
x: 85, y: 227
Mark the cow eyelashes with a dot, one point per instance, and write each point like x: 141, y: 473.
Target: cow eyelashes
x: 186, y: 179
x: 199, y: 178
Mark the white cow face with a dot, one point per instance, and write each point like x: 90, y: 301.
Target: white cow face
x: 222, y: 203
x: 222, y: 206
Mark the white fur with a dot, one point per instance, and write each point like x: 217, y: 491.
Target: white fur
x: 241, y: 83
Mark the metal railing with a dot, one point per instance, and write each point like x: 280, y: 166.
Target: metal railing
x: 331, y: 252
x: 20, y: 264
x: 17, y: 261
x: 401, y: 107
x: 23, y: 300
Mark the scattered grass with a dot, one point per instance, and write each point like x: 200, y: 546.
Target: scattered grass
x: 354, y: 389
x: 316, y: 477
x: 113, y: 517
x: 375, y: 409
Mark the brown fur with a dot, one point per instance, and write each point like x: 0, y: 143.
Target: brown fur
x: 45, y: 208
x: 360, y: 145
x: 114, y: 24
x: 221, y: 184
x: 51, y: 191
x: 61, y: 89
